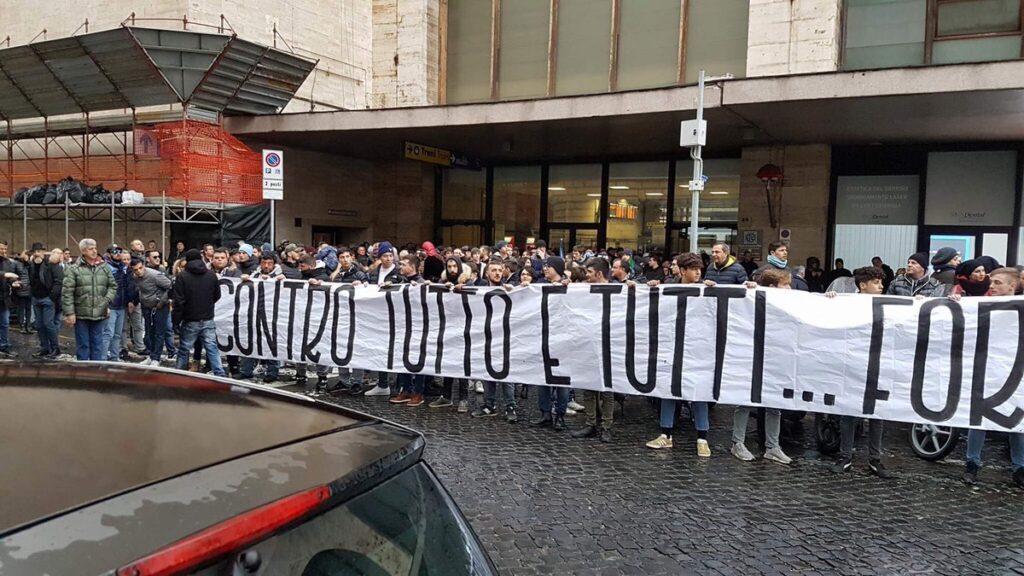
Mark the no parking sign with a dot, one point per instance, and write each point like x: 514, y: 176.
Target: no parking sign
x: 273, y: 175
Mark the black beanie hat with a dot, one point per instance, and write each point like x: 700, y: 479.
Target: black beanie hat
x: 193, y: 254
x: 921, y: 258
x: 557, y: 263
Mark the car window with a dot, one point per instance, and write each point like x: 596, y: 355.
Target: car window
x: 403, y: 527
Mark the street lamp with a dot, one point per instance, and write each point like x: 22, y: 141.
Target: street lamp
x: 693, y: 133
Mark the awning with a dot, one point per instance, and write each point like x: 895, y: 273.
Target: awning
x: 131, y: 67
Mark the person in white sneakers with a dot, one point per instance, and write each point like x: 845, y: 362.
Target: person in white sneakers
x: 769, y: 278
x: 686, y: 269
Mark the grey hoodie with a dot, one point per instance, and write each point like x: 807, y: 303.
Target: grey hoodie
x: 153, y: 287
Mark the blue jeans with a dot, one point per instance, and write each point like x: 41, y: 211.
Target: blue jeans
x: 89, y: 340
x: 544, y: 394
x: 5, y: 324
x: 169, y: 338
x: 205, y: 331
x: 491, y: 392
x: 156, y: 330
x: 700, y: 414
x: 112, y: 331
x: 412, y: 383
x: 46, y: 328
x: 247, y: 365
x: 976, y: 440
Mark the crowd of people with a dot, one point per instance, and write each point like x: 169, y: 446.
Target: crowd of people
x: 130, y: 304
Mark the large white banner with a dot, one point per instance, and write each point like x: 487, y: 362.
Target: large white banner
x: 936, y: 360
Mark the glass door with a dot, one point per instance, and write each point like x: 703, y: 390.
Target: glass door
x: 971, y: 242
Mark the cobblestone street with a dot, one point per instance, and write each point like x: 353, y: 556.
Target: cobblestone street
x: 544, y: 503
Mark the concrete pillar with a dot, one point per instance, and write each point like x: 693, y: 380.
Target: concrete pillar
x: 405, y: 53
x: 793, y: 37
x: 804, y: 197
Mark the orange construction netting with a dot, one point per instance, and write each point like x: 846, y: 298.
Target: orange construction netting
x: 187, y: 160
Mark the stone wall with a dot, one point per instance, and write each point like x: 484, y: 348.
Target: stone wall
x: 804, y: 197
x: 793, y: 37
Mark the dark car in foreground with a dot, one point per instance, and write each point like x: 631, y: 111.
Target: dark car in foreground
x: 108, y: 469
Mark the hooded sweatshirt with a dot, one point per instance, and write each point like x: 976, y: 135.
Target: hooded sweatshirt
x: 433, y: 266
x: 196, y: 290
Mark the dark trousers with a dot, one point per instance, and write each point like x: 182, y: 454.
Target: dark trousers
x: 156, y: 329
x: 847, y: 424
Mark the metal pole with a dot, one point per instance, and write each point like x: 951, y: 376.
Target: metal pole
x: 273, y: 241
x: 163, y: 225
x: 697, y: 184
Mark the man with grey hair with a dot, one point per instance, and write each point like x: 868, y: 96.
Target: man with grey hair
x: 724, y: 269
x: 89, y: 287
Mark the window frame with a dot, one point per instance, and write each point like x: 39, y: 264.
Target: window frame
x: 932, y: 32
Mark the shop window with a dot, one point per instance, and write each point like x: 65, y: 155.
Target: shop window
x: 885, y: 33
x: 574, y: 193
x: 584, y: 46
x: 720, y: 200
x: 462, y: 195
x: 637, y: 204
x: 648, y: 44
x: 469, y: 51
x: 523, y: 55
x: 988, y: 179
x: 517, y: 203
x: 716, y: 38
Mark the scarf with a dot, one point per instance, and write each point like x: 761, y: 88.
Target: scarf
x: 781, y: 264
x: 972, y: 288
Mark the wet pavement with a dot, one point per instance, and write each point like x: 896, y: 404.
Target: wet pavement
x: 544, y: 503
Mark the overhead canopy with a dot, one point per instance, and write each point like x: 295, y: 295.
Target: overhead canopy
x: 132, y: 67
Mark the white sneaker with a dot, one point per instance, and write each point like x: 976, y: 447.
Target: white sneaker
x: 146, y: 362
x: 479, y: 387
x: 740, y: 451
x: 703, y: 450
x: 777, y: 455
x: 570, y: 412
x: 379, y: 391
x: 574, y: 405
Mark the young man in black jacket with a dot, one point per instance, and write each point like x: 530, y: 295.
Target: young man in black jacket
x: 195, y: 293
x: 46, y: 277
x: 410, y: 386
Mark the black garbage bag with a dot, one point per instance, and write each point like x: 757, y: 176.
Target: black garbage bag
x: 50, y: 196
x: 36, y: 194
x: 100, y: 195
x: 88, y: 194
x: 117, y: 197
x: 76, y: 193
x: 19, y: 195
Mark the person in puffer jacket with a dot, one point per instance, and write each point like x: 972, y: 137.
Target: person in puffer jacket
x: 88, y: 289
x: 917, y: 281
x: 724, y: 268
x: 329, y: 256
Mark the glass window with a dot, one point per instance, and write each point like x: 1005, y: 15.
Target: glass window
x: 970, y: 188
x: 462, y: 194
x: 406, y: 525
x: 517, y: 203
x: 976, y: 50
x: 462, y: 236
x: 637, y: 204
x: 523, y: 55
x: 720, y: 200
x: 885, y: 33
x: 648, y: 43
x: 716, y: 38
x: 574, y: 193
x: 978, y: 17
x: 469, y: 51
x: 584, y: 46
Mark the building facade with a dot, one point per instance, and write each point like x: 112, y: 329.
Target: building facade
x: 895, y: 123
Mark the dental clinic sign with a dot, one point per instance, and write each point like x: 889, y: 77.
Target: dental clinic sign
x: 273, y: 175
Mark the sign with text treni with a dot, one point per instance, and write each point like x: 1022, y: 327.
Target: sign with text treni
x: 429, y: 154
x: 273, y: 175
x: 930, y: 361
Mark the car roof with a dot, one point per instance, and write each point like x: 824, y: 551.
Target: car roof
x: 74, y: 434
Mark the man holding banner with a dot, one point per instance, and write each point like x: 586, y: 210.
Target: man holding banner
x: 597, y: 273
x: 1004, y: 282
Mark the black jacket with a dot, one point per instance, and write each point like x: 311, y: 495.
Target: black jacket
x: 732, y: 272
x: 290, y: 272
x: 393, y: 277
x: 195, y: 292
x: 353, y: 274
x: 316, y: 274
x: 15, y: 266
x: 46, y: 280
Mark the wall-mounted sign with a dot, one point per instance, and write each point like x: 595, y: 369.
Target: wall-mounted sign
x: 273, y: 175
x: 970, y: 188
x: 877, y: 199
x: 439, y: 156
